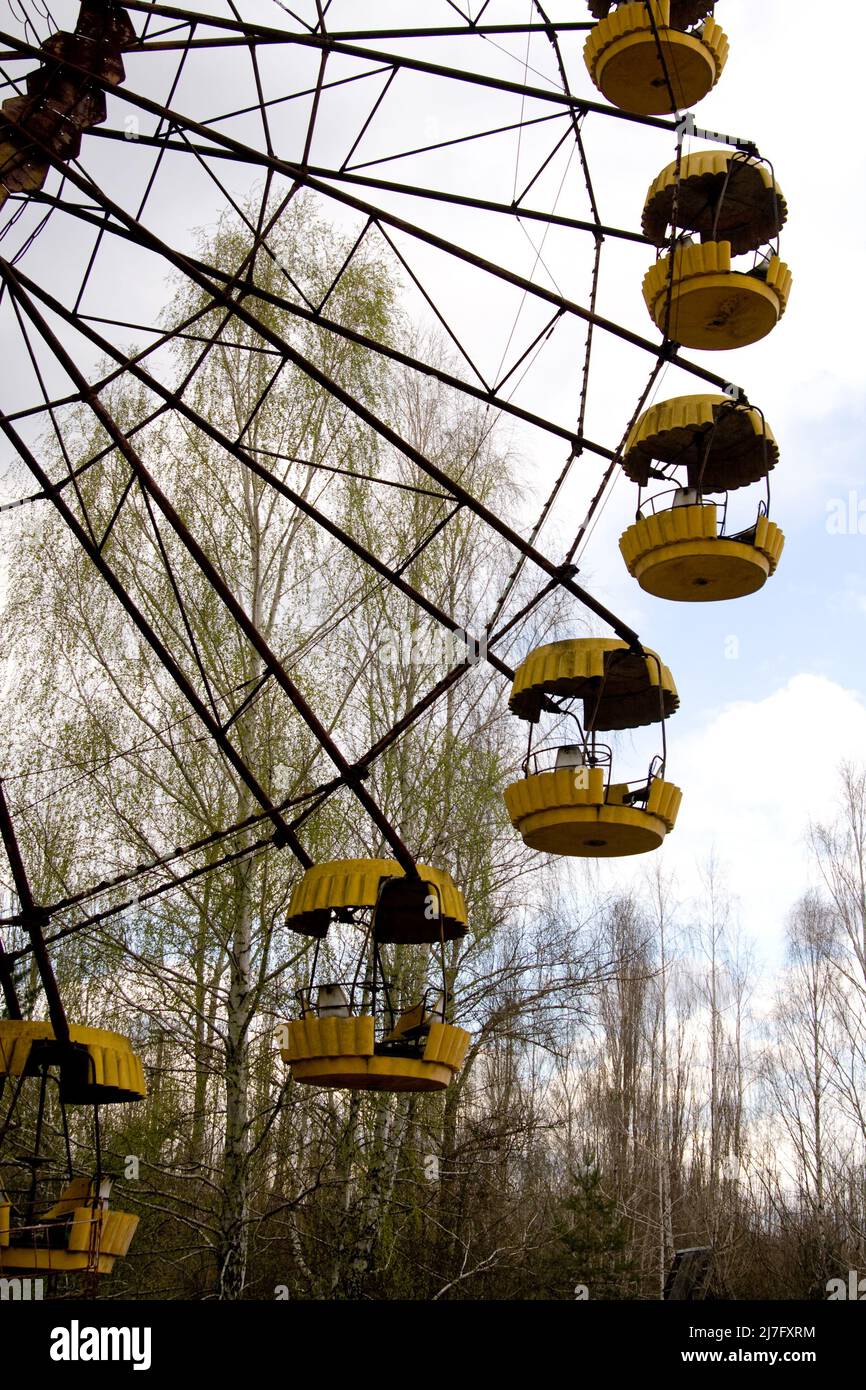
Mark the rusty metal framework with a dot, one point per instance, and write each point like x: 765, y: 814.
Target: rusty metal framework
x: 386, y: 126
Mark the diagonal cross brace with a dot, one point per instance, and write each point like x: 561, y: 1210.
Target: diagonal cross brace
x: 350, y: 776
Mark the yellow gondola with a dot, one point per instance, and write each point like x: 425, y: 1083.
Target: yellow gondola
x: 720, y: 195
x: 407, y: 910
x: 698, y: 300
x: 61, y: 101
x: 680, y: 547
x: 695, y: 294
x: 22, y: 168
x: 342, y: 1052
x: 77, y: 1235
x: 100, y: 1067
x: 350, y: 1033
x: 77, y: 1232
x: 683, y: 13
x: 574, y: 807
x: 649, y: 57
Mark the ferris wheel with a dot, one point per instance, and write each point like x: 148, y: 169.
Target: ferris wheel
x: 117, y: 134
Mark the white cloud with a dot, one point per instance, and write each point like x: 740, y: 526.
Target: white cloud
x: 752, y: 780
